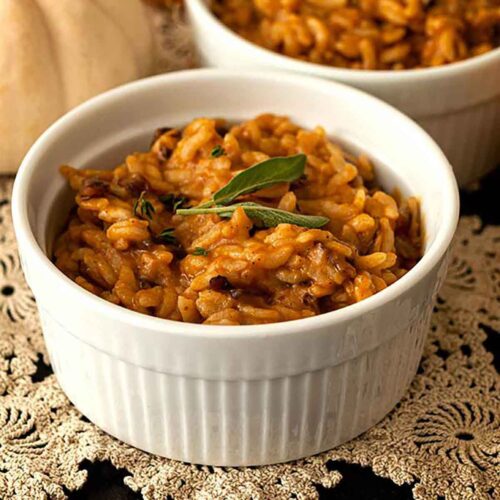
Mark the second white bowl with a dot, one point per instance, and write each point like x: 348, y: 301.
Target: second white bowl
x: 458, y: 105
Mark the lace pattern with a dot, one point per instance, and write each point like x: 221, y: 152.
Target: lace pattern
x: 449, y: 420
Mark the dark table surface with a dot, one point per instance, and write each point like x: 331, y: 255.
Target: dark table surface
x: 359, y: 483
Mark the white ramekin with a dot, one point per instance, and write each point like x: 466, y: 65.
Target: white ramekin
x: 227, y: 395
x: 458, y: 104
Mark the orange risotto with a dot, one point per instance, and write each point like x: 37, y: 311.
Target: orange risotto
x: 367, y: 34
x: 342, y: 239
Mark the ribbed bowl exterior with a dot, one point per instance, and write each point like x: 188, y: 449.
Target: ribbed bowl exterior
x: 470, y: 138
x: 234, y: 422
x: 232, y: 395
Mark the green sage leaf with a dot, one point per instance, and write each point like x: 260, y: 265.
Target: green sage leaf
x: 266, y: 216
x: 261, y: 175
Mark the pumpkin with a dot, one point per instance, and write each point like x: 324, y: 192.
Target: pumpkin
x: 56, y: 54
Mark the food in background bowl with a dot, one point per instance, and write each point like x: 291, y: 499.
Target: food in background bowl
x: 367, y: 34
x: 457, y: 104
x: 257, y: 223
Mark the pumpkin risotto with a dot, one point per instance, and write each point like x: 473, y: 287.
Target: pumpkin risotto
x: 367, y: 34
x: 259, y: 222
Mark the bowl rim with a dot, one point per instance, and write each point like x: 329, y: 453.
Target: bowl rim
x: 354, y: 76
x: 37, y: 257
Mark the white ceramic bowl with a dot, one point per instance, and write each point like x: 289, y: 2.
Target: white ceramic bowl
x: 232, y: 395
x: 458, y: 104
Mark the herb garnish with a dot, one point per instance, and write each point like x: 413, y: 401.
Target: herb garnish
x: 200, y: 251
x: 262, y: 175
x: 145, y: 207
x: 172, y: 202
x: 167, y: 236
x: 217, y: 151
x: 266, y: 216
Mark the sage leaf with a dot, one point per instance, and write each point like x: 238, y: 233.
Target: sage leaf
x: 266, y: 216
x: 262, y: 175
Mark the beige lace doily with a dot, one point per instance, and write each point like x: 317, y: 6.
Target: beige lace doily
x: 443, y: 439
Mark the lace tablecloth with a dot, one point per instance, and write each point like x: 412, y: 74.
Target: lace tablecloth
x: 442, y: 440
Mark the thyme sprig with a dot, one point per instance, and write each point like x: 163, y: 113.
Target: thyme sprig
x: 144, y: 206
